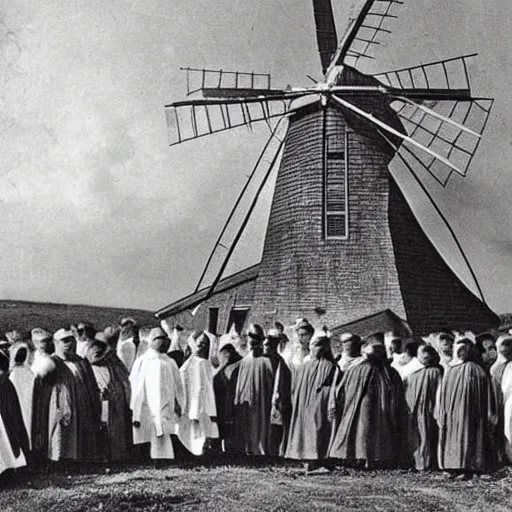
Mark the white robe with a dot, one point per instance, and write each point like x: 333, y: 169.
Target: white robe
x: 156, y: 388
x: 126, y: 351
x: 408, y: 368
x: 23, y: 380
x: 506, y: 388
x: 196, y: 424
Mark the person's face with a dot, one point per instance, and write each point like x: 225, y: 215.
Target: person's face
x: 224, y: 357
x: 66, y: 347
x: 462, y: 351
x: 270, y: 346
x: 203, y: 347
x: 316, y: 349
x: 424, y: 357
x: 351, y: 348
x: 303, y: 337
x: 506, y: 351
x: 255, y: 346
x: 81, y: 335
x: 490, y: 354
x: 46, y: 346
x: 446, y: 345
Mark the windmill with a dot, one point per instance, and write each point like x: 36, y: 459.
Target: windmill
x: 342, y: 241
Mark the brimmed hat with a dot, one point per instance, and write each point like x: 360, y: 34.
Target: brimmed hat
x: 256, y: 332
x: 63, y: 334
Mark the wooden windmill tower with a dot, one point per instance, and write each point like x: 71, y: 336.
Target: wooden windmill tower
x: 342, y: 241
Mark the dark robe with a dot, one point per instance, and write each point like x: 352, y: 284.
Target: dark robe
x: 281, y: 409
x: 118, y: 440
x: 253, y: 403
x: 80, y: 440
x: 310, y: 428
x: 420, y: 395
x: 12, y: 417
x: 224, y: 386
x: 371, y: 415
x: 464, y: 411
x: 51, y: 408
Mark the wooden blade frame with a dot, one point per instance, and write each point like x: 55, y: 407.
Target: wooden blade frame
x: 455, y: 135
x: 326, y: 36
x: 364, y: 33
x: 220, y: 242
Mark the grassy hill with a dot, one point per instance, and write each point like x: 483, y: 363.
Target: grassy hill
x: 24, y: 316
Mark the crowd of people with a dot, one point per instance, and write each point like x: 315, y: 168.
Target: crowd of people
x: 78, y: 396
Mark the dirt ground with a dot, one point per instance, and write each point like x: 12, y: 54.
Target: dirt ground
x: 232, y: 487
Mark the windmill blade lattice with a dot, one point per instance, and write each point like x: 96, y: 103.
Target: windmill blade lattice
x: 243, y: 208
x: 451, y: 129
x: 220, y: 83
x: 190, y: 120
x: 449, y: 74
x: 367, y: 31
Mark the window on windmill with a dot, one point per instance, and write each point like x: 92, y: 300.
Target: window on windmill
x: 237, y: 316
x: 336, y: 188
x: 213, y: 320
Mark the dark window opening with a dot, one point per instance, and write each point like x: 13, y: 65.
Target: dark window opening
x: 213, y: 320
x: 238, y: 316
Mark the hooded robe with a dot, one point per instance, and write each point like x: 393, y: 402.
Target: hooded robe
x: 420, y: 394
x: 114, y: 386
x: 14, y: 441
x: 156, y: 395
x: 370, y: 410
x: 23, y: 380
x: 309, y: 432
x: 253, y: 405
x: 198, y: 421
x: 465, y: 413
x: 80, y: 439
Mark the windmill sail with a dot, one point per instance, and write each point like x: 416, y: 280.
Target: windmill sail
x: 326, y: 37
x: 188, y: 120
x: 448, y: 74
x: 451, y: 129
x: 219, y: 83
x: 366, y: 32
x: 227, y: 236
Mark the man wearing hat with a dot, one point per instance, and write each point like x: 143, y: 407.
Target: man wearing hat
x: 80, y: 439
x: 157, y: 396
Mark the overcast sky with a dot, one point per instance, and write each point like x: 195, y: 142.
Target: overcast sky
x: 97, y: 209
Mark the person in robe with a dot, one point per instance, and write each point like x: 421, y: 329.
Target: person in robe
x: 370, y: 411
x: 80, y: 440
x: 113, y: 383
x: 176, y: 350
x: 253, y: 398
x: 351, y: 351
x: 126, y: 348
x: 23, y: 380
x: 443, y: 343
x: 310, y: 426
x: 465, y: 412
x: 198, y: 422
x: 299, y: 350
x: 224, y: 387
x: 421, y: 388
x: 486, y: 345
x: 14, y: 441
x: 281, y: 395
x: 143, y: 341
x: 283, y: 338
x: 52, y: 401
x: 502, y: 377
x: 156, y: 397
x: 85, y: 333
x: 408, y: 362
